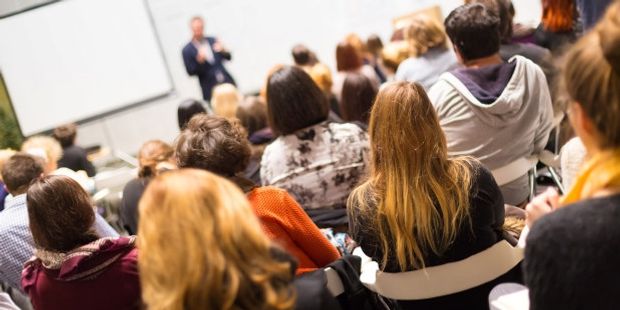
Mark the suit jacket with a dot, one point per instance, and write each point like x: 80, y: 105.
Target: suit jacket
x: 207, y: 72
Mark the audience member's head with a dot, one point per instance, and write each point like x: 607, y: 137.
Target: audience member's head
x: 187, y: 109
x: 253, y: 114
x: 225, y: 100
x: 303, y: 56
x: 19, y: 170
x: 592, y: 79
x: 213, y: 143
x: 4, y: 157
x: 322, y: 76
x: 197, y: 25
x: 347, y: 57
x: 65, y: 134
x: 558, y: 15
x: 214, y: 255
x: 356, y: 41
x: 501, y: 8
x: 46, y: 148
x: 294, y: 101
x: 393, y: 54
x: 411, y: 176
x: 374, y: 45
x: 358, y: 94
x: 474, y: 31
x: 423, y: 34
x: 151, y: 156
x: 60, y: 214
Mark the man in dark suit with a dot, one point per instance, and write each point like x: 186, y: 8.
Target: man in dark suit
x: 204, y: 57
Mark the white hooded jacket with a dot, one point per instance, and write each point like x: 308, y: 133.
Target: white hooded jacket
x: 515, y: 125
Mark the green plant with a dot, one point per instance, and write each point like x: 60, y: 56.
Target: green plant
x: 10, y: 136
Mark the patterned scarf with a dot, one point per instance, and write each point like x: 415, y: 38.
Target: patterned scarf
x: 601, y: 172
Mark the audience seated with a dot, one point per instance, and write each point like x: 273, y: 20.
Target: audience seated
x: 214, y: 254
x: 225, y: 100
x: 392, y: 55
x: 46, y: 148
x: 498, y: 112
x: 349, y: 60
x: 374, y: 46
x: 358, y: 94
x: 322, y: 76
x: 303, y: 57
x: 187, y: 109
x: 16, y: 243
x: 154, y: 156
x: 557, y: 26
x: 4, y: 156
x: 73, y: 156
x: 572, y: 253
x: 73, y: 266
x: 429, y: 53
x: 50, y: 150
x: 219, y: 145
x: 253, y: 116
x: 317, y: 162
x: 418, y: 207
x: 539, y: 55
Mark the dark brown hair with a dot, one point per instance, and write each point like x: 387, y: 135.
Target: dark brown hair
x: 253, y: 114
x: 60, y: 213
x: 347, y: 57
x: 358, y: 94
x: 65, y: 134
x: 19, y: 171
x: 303, y: 56
x: 474, y: 31
x: 213, y: 143
x: 374, y: 45
x: 294, y: 101
x: 187, y: 109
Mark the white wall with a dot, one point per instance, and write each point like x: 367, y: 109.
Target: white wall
x: 249, y: 29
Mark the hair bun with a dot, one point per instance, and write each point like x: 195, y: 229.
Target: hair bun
x: 609, y: 36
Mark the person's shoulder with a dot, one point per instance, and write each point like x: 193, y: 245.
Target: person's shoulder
x: 580, y: 220
x: 267, y: 193
x: 346, y: 128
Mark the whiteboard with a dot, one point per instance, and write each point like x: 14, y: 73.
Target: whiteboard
x: 75, y: 59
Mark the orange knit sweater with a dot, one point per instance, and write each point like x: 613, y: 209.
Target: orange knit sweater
x: 285, y: 222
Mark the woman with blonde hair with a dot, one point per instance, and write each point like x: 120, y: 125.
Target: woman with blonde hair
x: 429, y: 55
x: 154, y: 156
x: 225, y: 100
x: 214, y: 254
x: 577, y: 243
x: 419, y: 208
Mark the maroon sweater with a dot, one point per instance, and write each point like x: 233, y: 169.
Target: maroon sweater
x: 100, y: 275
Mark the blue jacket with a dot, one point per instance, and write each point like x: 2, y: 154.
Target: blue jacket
x: 207, y: 72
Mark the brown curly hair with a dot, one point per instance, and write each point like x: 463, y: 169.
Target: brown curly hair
x: 213, y: 143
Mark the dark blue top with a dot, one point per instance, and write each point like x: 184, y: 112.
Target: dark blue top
x: 207, y: 72
x: 3, y: 194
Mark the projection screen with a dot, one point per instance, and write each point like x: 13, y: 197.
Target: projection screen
x: 76, y: 59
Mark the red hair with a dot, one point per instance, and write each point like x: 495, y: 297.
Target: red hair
x: 558, y: 15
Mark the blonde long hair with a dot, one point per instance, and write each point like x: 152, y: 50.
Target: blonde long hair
x: 416, y: 198
x: 201, y: 247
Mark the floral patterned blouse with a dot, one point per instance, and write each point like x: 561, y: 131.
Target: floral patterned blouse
x: 319, y: 165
